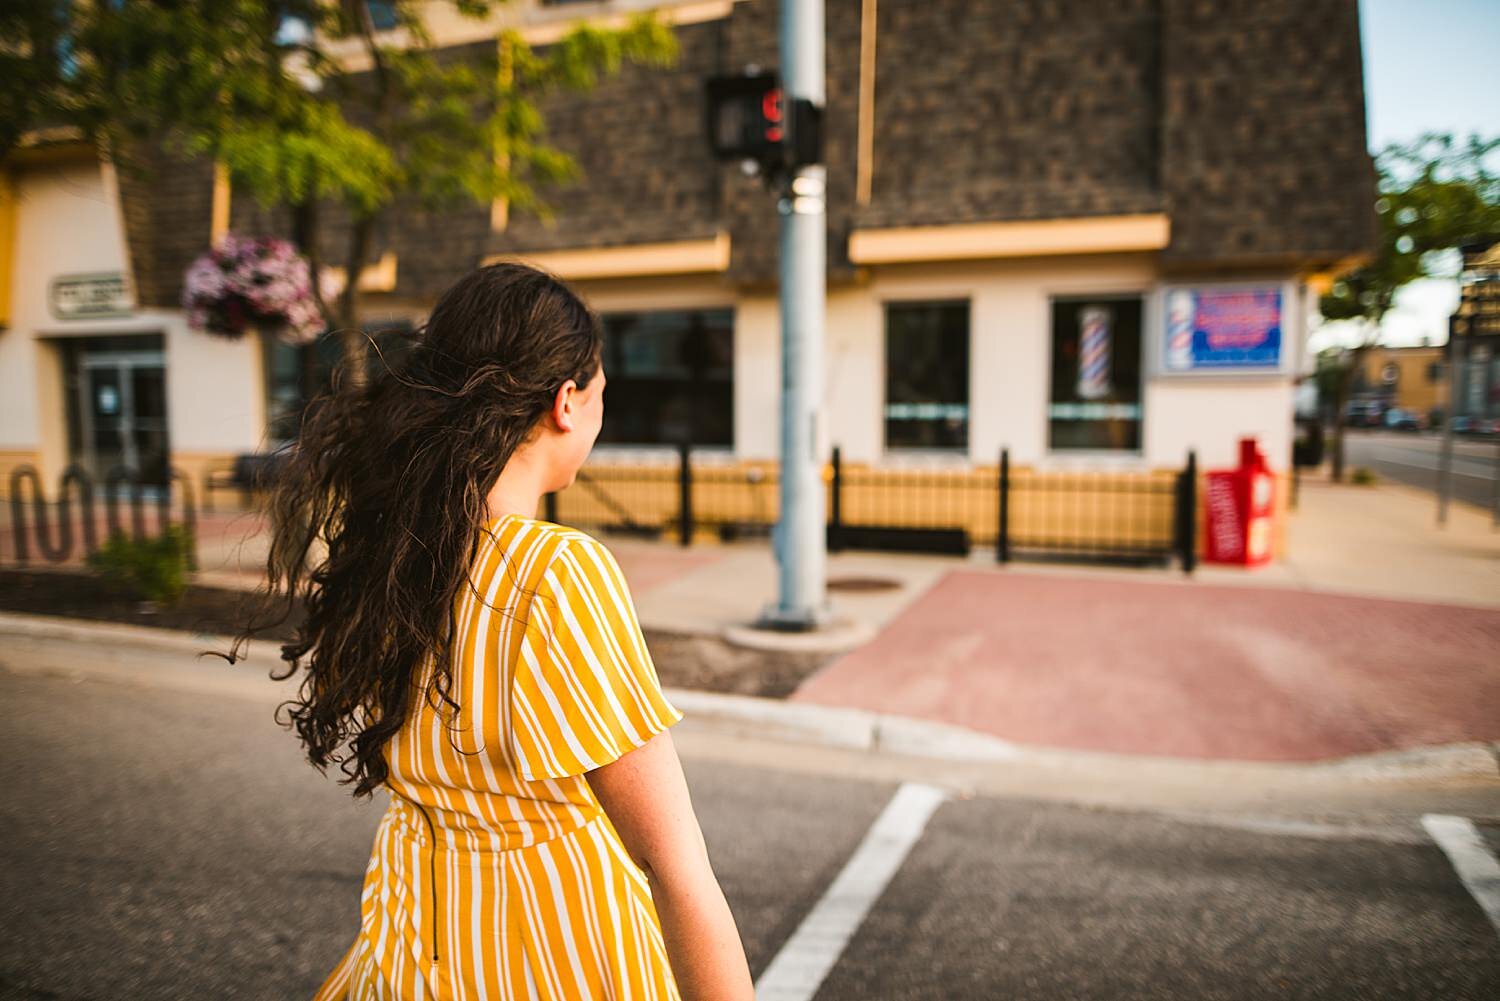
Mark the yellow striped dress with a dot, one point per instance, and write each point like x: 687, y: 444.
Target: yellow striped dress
x: 495, y: 873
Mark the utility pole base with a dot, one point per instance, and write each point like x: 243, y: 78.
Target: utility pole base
x: 773, y: 616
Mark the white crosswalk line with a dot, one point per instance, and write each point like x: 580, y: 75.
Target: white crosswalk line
x: 804, y: 961
x: 1471, y: 858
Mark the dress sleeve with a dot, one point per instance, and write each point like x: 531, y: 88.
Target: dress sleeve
x: 584, y: 690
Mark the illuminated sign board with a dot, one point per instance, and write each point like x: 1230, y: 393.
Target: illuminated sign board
x: 1223, y: 328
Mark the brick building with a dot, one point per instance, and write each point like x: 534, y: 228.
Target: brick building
x: 1411, y: 378
x: 1174, y: 179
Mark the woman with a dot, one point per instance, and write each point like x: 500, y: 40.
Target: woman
x: 487, y: 669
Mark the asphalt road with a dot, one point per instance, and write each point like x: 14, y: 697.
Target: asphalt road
x: 1414, y: 458
x: 162, y: 841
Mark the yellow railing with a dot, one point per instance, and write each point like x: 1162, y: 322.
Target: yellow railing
x: 1088, y: 507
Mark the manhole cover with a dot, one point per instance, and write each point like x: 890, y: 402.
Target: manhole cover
x: 862, y: 584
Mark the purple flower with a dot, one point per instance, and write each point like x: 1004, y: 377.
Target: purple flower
x: 247, y: 281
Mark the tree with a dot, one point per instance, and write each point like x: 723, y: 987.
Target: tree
x: 1434, y: 193
x: 310, y: 103
x: 32, y: 64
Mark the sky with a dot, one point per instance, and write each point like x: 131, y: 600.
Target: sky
x: 1429, y: 67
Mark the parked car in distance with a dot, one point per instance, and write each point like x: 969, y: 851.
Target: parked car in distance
x: 1363, y: 414
x: 1398, y: 419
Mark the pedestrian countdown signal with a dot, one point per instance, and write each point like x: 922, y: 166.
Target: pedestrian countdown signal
x: 749, y: 118
x: 746, y: 119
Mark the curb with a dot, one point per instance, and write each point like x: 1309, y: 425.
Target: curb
x: 884, y: 733
x: 872, y: 732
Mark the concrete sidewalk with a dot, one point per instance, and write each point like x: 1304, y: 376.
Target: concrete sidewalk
x: 1379, y: 632
x: 1375, y: 541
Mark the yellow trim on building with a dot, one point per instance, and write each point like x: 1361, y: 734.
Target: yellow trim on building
x: 546, y: 32
x: 864, y: 164
x: 631, y: 261
x: 1043, y: 237
x: 52, y: 145
x: 219, y: 219
x: 536, y: 25
x: 1321, y: 281
x: 377, y: 277
x: 7, y: 244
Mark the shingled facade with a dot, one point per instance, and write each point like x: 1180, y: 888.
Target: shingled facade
x: 1242, y: 122
x: 1030, y: 164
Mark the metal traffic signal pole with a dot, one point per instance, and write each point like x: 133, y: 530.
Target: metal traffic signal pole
x: 800, y: 539
x: 1445, y: 455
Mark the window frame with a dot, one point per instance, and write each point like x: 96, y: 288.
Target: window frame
x: 888, y: 451
x: 1147, y: 295
x: 650, y: 448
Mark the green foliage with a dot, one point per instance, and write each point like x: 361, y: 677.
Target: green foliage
x: 152, y: 568
x: 1363, y: 476
x: 34, y: 63
x: 1434, y: 194
x: 304, y: 99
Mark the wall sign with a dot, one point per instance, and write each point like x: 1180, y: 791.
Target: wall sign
x: 82, y: 297
x: 1223, y: 329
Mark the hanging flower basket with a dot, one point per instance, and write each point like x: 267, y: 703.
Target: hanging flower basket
x: 252, y: 282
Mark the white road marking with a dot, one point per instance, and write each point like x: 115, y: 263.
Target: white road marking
x: 1475, y: 864
x: 807, y: 957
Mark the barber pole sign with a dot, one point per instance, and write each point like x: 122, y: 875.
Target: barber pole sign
x: 1093, y: 352
x: 1181, y: 310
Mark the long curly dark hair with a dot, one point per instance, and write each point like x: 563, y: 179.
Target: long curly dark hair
x: 391, y: 480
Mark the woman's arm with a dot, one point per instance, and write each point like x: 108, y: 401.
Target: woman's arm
x: 646, y: 797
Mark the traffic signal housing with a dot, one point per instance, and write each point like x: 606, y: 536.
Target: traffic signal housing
x: 748, y: 118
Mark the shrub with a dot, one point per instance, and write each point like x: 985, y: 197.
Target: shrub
x: 154, y: 568
x: 1363, y: 476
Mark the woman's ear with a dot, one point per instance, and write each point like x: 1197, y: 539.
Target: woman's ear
x: 562, y: 405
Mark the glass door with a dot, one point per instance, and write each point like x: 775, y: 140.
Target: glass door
x: 124, y: 412
x: 148, y: 420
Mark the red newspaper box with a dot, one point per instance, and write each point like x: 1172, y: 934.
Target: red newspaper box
x: 1238, y: 508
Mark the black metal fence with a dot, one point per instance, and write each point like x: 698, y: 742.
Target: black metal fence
x: 1097, y: 516
x: 58, y: 518
x: 1135, y: 517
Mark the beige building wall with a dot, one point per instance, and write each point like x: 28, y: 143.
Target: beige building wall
x: 1009, y: 365
x: 1010, y: 342
x: 757, y: 379
x: 68, y: 223
x: 1212, y: 415
x: 1009, y: 369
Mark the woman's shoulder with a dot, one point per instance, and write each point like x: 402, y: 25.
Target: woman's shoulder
x: 560, y: 553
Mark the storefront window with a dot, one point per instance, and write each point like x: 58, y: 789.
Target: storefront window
x: 297, y: 373
x: 670, y: 377
x: 1095, y: 400
x: 283, y: 367
x: 927, y: 375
